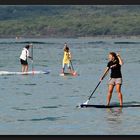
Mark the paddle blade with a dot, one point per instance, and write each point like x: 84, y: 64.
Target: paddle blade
x: 86, y: 102
x: 81, y: 105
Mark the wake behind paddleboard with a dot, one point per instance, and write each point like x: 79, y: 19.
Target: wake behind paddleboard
x: 23, y: 73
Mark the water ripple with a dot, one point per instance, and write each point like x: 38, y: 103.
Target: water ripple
x: 50, y: 107
x: 42, y: 119
x: 23, y: 109
x: 30, y: 84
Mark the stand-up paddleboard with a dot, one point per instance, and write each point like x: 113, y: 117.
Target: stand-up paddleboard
x: 110, y: 106
x: 23, y: 73
x: 68, y: 74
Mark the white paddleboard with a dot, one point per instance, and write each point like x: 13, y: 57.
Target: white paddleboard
x: 23, y: 73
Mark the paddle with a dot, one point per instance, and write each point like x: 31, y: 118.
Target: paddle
x: 32, y: 59
x: 74, y: 72
x: 95, y: 88
x: 71, y: 65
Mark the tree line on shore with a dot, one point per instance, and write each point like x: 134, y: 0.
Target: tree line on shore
x: 69, y: 21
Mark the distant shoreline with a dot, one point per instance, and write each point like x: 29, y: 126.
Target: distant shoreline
x: 97, y: 36
x: 114, y: 36
x: 69, y: 21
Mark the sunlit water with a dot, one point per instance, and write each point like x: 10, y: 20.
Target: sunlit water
x: 46, y: 104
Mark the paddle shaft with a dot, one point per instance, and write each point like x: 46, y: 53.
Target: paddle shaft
x: 98, y: 84
x: 32, y: 59
x: 72, y: 65
x: 94, y: 90
x: 32, y: 52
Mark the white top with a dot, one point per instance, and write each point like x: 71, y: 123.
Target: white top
x: 24, y: 54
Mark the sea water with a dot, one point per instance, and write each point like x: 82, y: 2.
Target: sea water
x: 46, y: 104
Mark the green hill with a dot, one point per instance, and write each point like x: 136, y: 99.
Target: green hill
x: 69, y: 21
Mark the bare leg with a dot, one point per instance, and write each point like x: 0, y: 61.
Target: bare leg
x: 110, y: 90
x: 118, y: 89
x: 26, y: 68
x: 62, y: 70
x: 23, y: 68
x: 63, y: 67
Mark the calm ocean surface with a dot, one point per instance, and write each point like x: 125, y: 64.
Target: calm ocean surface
x: 46, y: 104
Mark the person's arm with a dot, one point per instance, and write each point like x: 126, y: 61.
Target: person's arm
x: 70, y: 56
x: 29, y: 55
x: 105, y: 73
x: 120, y: 59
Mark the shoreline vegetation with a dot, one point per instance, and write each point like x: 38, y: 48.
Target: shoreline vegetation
x: 84, y: 37
x: 83, y: 21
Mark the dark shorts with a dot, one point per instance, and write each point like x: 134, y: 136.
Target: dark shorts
x: 23, y: 62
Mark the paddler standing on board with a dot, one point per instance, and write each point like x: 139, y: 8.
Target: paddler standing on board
x: 66, y: 59
x: 115, y: 63
x: 23, y: 57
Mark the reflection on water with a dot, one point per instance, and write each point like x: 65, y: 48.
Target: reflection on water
x: 114, y: 114
x: 114, y: 119
x: 115, y: 111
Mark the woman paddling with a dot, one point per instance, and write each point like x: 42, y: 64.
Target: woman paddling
x: 115, y: 63
x: 23, y: 58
